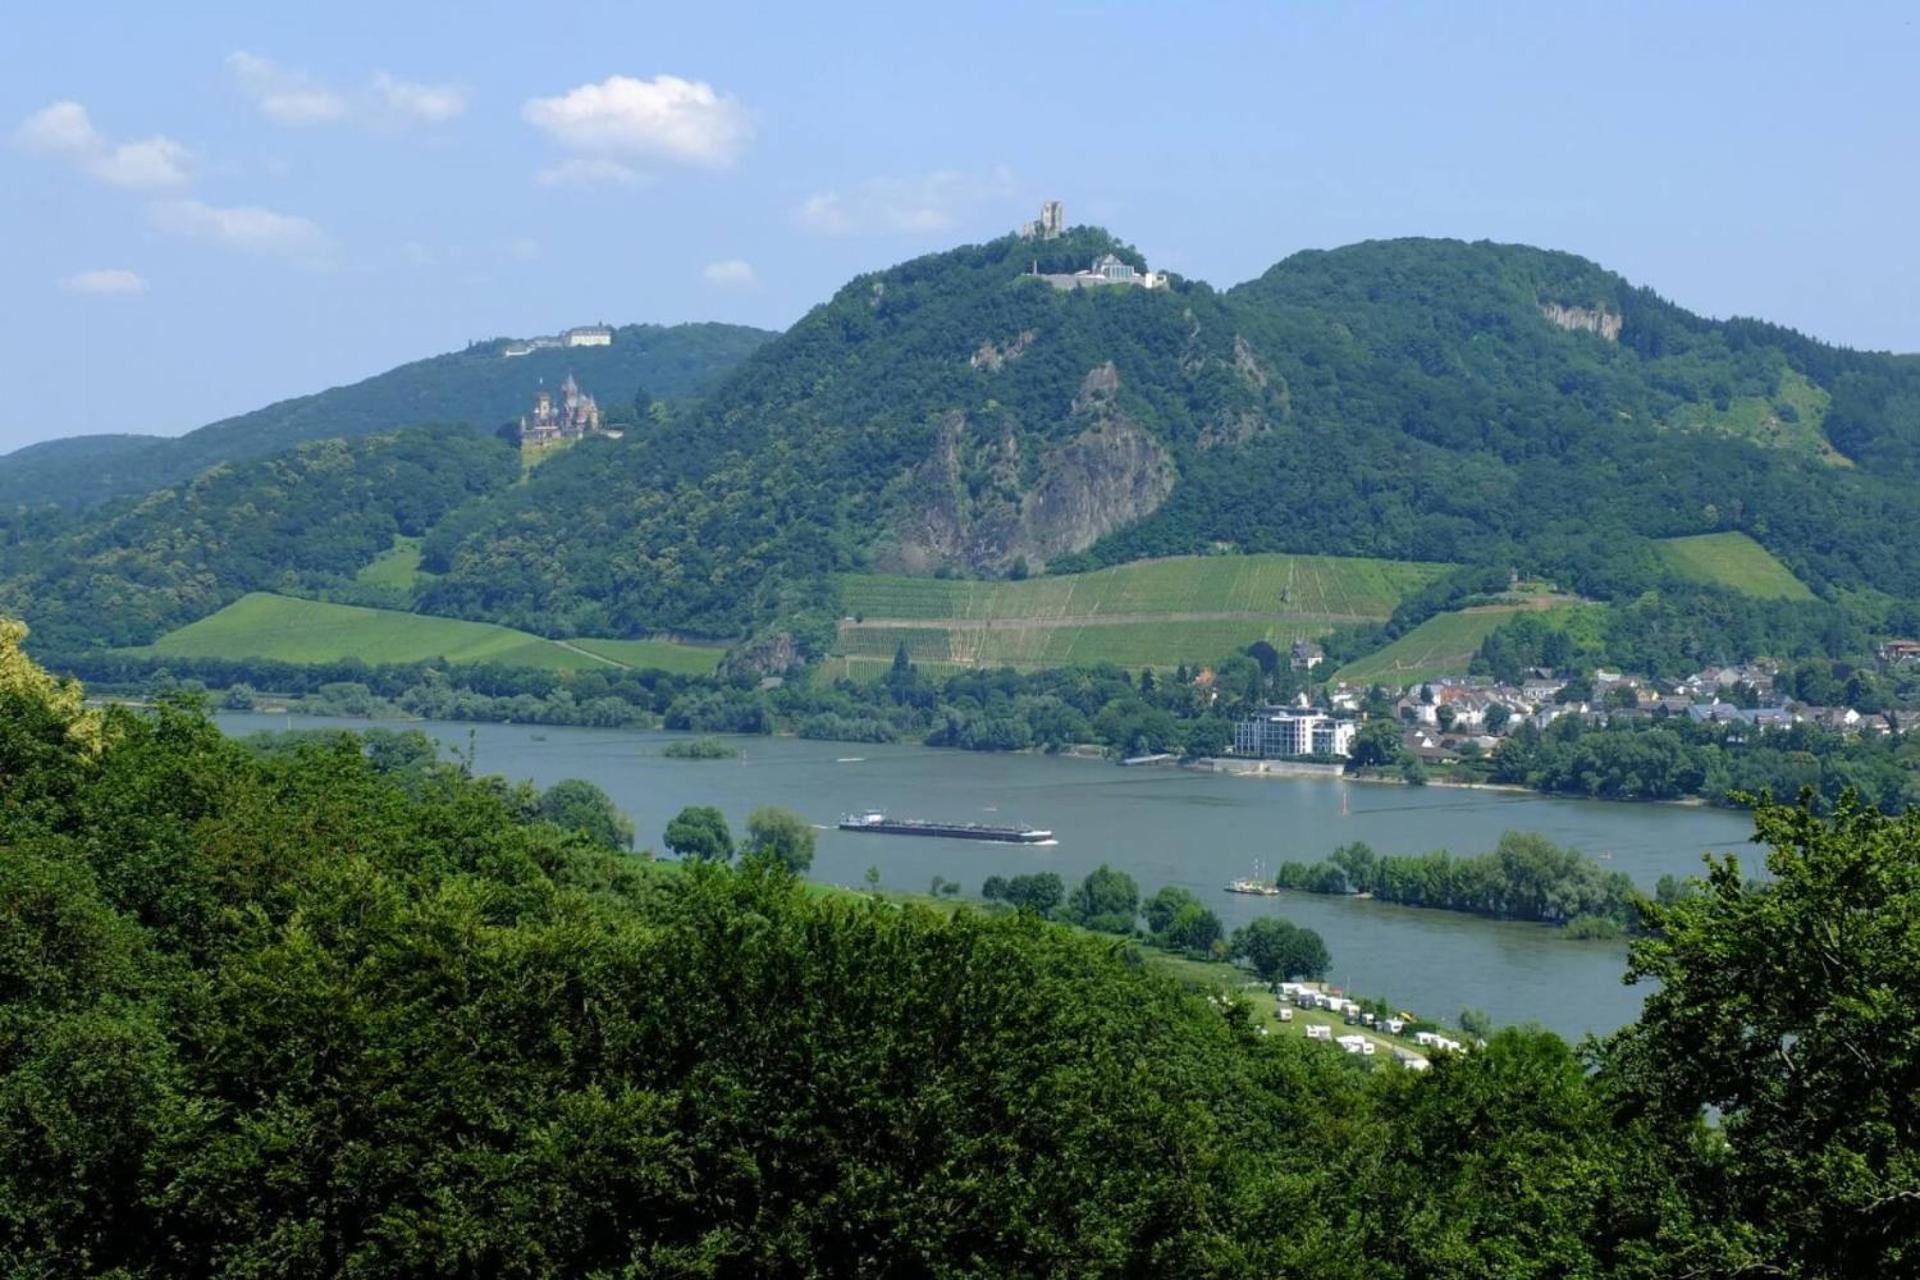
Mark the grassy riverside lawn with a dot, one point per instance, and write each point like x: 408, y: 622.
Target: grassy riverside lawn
x: 1151, y: 613
x: 288, y: 629
x: 1734, y: 561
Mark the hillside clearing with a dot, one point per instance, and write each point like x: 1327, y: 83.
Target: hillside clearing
x: 1734, y: 561
x: 394, y: 569
x: 285, y: 629
x: 1441, y: 646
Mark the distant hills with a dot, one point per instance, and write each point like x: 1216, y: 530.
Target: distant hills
x: 477, y: 387
x: 1493, y: 407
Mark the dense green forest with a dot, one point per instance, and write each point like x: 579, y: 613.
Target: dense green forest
x: 475, y: 388
x: 337, y: 1008
x: 130, y: 571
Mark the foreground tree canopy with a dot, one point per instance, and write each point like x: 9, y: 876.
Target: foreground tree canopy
x: 321, y: 1011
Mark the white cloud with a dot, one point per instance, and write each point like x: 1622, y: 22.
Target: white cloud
x: 66, y: 131
x: 521, y: 249
x: 144, y: 165
x: 288, y: 96
x: 584, y: 173
x: 411, y: 102
x: 895, y: 206
x: 663, y: 119
x: 61, y: 129
x: 245, y: 230
x: 731, y: 273
x: 106, y: 282
x: 282, y: 95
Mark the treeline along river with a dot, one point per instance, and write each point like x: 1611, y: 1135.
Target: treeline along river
x: 1162, y: 826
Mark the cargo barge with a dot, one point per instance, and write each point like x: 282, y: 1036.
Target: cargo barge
x: 877, y: 823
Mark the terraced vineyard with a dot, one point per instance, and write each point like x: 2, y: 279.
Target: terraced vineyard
x: 1192, y: 609
x: 286, y: 629
x: 1735, y: 561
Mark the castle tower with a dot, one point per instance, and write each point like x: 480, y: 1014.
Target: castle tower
x: 1053, y: 219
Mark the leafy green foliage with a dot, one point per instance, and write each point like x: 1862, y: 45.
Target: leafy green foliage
x: 1040, y: 892
x: 1107, y: 900
x: 1788, y: 1006
x: 1279, y: 949
x: 1527, y: 877
x: 1668, y: 759
x: 699, y: 832
x: 575, y: 804
x: 782, y: 835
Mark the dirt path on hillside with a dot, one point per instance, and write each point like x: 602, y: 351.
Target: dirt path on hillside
x: 570, y: 647
x: 1093, y: 620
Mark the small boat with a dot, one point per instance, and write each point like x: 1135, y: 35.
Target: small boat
x: 1253, y: 884
x: 1258, y: 887
x: 874, y: 822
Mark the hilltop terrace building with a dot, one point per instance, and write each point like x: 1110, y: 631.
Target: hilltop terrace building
x: 1273, y: 732
x: 586, y: 335
x: 1106, y: 269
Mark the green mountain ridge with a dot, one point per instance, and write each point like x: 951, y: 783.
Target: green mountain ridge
x: 1488, y: 406
x: 1414, y: 399
x: 477, y: 387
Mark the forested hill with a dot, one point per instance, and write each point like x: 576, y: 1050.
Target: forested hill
x: 477, y: 387
x: 302, y: 520
x: 1426, y: 399
x: 950, y: 411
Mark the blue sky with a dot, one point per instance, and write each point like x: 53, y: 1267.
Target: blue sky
x: 213, y: 206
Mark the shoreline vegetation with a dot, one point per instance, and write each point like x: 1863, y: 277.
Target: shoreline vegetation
x: 701, y: 748
x: 1122, y: 714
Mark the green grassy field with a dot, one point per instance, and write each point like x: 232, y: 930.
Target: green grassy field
x: 1735, y: 561
x: 395, y: 569
x: 285, y: 629
x: 666, y: 655
x: 1440, y: 646
x: 1192, y: 609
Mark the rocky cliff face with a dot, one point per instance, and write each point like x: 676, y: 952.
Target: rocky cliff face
x: 1584, y: 319
x: 979, y: 503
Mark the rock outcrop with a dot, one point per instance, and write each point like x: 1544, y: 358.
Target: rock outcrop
x: 993, y: 358
x: 978, y: 503
x: 1597, y: 320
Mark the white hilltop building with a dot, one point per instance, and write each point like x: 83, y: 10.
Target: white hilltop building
x: 586, y: 335
x: 1104, y: 270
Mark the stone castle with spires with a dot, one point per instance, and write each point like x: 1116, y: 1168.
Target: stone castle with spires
x: 574, y: 416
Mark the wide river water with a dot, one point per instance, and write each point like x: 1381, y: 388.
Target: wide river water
x: 1162, y: 826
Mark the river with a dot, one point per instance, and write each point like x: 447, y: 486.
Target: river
x: 1162, y: 826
